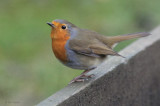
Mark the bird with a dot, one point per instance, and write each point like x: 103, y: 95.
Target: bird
x: 83, y: 49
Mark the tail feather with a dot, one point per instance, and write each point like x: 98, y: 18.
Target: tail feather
x: 116, y: 39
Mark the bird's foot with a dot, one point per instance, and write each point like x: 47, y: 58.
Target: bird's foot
x: 81, y: 78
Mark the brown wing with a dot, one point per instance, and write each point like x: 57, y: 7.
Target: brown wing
x: 91, y: 43
x: 91, y: 48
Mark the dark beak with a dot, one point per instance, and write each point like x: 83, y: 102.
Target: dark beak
x: 50, y: 24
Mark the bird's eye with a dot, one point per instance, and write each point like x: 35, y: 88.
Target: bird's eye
x: 63, y: 27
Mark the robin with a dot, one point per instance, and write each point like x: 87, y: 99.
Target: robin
x: 81, y: 48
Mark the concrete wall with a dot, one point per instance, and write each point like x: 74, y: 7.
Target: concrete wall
x: 130, y: 81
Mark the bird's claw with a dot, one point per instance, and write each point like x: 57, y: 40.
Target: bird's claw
x: 82, y: 78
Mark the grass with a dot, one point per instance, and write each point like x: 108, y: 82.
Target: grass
x: 29, y: 71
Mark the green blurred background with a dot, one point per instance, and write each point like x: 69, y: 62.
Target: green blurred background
x: 29, y: 72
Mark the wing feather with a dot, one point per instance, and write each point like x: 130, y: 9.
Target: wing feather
x: 88, y: 48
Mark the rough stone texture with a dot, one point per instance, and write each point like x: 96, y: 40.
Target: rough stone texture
x: 130, y: 81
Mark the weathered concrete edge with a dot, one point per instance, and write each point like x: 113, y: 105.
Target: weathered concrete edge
x: 110, y: 64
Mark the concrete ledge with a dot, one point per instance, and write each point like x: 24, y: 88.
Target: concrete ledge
x: 130, y: 81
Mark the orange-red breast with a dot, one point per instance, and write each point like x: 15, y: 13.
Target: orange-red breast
x: 83, y: 49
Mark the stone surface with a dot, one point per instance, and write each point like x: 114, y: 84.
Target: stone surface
x: 130, y: 81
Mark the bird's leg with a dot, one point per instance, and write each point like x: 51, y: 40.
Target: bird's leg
x: 82, y: 77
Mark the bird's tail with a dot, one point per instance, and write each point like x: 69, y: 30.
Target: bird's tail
x: 116, y: 39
